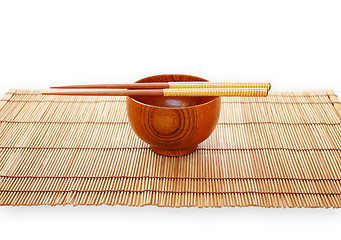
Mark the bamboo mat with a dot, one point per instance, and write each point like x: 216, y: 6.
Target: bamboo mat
x: 279, y: 151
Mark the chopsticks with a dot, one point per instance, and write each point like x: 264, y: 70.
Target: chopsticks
x: 188, y: 92
x: 180, y: 89
x: 165, y: 85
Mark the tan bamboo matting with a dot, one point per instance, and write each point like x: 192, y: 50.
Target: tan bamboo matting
x: 279, y: 151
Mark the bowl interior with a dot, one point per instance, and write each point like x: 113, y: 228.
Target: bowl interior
x: 172, y: 102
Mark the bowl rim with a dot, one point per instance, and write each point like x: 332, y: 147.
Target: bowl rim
x: 154, y: 106
x: 198, y: 105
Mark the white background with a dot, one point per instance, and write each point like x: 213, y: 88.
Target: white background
x: 296, y: 45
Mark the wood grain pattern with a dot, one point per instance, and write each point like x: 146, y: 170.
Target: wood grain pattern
x: 173, y: 126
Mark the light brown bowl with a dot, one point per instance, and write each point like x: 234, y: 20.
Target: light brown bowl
x: 173, y: 126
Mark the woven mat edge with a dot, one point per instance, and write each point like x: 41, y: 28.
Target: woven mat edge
x: 6, y: 97
x: 335, y: 101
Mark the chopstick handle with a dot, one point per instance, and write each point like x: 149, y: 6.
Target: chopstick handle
x: 219, y: 92
x: 218, y: 85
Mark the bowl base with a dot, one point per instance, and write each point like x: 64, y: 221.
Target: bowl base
x: 173, y: 152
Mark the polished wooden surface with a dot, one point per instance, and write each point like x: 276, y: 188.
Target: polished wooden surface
x: 117, y: 86
x: 173, y: 126
x: 146, y: 92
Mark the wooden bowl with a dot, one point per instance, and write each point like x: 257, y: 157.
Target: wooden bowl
x: 173, y: 126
